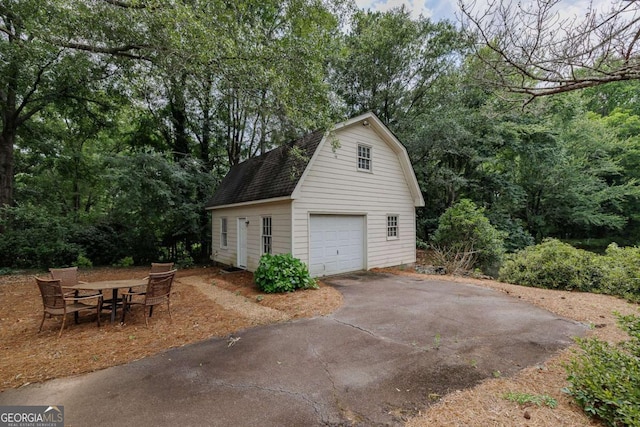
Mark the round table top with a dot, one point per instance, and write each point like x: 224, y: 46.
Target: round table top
x: 110, y: 284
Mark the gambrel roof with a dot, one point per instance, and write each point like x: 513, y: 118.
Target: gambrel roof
x: 273, y: 174
x: 279, y: 173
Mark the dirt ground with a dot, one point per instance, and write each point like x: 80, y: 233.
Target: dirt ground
x: 209, y: 303
x: 205, y: 303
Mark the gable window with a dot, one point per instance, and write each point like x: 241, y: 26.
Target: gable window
x: 266, y: 235
x: 392, y: 227
x: 364, y: 158
x: 223, y: 232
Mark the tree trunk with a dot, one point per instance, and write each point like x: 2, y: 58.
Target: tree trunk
x: 7, y: 140
x: 179, y: 117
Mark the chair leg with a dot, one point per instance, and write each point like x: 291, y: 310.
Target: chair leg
x: 169, y: 308
x: 124, y: 308
x: 146, y: 322
x: 44, y: 315
x: 64, y: 318
x: 99, y: 310
x: 150, y: 311
x: 75, y: 317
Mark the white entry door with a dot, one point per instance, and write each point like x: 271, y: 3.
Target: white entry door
x: 242, y: 242
x: 337, y: 244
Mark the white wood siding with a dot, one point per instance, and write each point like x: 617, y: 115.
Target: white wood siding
x: 280, y: 214
x: 334, y: 185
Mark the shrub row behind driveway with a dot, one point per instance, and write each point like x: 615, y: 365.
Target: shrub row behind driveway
x: 557, y: 265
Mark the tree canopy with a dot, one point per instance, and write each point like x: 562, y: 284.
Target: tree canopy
x: 120, y: 118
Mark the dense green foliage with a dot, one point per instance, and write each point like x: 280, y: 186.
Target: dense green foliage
x: 552, y: 264
x: 282, y: 273
x: 605, y: 378
x: 556, y: 265
x: 464, y: 228
x: 115, y: 130
x: 620, y: 269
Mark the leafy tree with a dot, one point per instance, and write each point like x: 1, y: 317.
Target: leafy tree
x: 463, y: 228
x: 32, y: 74
x: 391, y: 61
x: 156, y: 200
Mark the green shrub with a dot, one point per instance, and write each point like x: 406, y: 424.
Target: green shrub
x: 83, y: 261
x: 605, y: 379
x: 32, y: 238
x: 101, y: 243
x: 557, y: 265
x: 621, y: 272
x: 125, y: 262
x: 282, y: 273
x: 516, y: 235
x: 185, y: 261
x: 421, y: 244
x: 553, y: 265
x: 463, y: 228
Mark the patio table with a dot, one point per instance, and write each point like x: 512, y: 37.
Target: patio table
x: 112, y: 285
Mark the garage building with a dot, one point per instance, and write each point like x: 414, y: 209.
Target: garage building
x: 342, y: 200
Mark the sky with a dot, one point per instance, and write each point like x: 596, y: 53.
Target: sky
x: 434, y: 9
x: 438, y: 10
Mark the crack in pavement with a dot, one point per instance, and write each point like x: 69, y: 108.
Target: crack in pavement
x: 334, y: 390
x: 372, y: 334
x: 303, y: 396
x: 360, y: 328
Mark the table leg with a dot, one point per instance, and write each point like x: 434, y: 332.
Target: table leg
x: 114, y: 304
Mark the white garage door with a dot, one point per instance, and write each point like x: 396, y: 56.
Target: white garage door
x: 337, y: 244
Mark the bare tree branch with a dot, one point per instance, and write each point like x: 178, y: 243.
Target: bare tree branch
x: 532, y: 47
x: 126, y: 4
x: 126, y: 51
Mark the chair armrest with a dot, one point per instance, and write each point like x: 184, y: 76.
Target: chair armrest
x: 66, y: 291
x: 81, y: 282
x: 83, y: 297
x: 132, y: 293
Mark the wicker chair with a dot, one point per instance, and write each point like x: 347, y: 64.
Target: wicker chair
x: 156, y: 267
x: 57, y: 302
x: 161, y: 267
x: 68, y: 276
x: 158, y: 291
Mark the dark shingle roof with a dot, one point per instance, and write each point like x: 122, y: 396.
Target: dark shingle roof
x: 273, y: 174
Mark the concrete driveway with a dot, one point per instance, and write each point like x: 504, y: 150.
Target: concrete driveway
x: 395, y: 344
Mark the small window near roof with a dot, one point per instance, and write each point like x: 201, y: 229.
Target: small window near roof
x: 266, y: 235
x: 223, y: 232
x: 392, y: 227
x: 364, y: 158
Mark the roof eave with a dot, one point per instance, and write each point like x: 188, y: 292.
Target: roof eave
x: 250, y: 202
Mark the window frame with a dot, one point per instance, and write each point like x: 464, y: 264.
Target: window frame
x: 224, y: 232
x: 393, y: 226
x: 364, y: 160
x: 266, y: 239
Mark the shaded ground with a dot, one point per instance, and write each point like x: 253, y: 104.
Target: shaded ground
x: 205, y: 303
x: 373, y: 362
x: 233, y: 303
x: 486, y: 405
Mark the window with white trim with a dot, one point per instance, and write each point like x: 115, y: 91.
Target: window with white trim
x: 266, y: 235
x: 392, y: 226
x: 364, y: 158
x: 223, y: 232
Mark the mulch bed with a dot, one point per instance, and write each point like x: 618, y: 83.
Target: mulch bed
x: 27, y: 356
